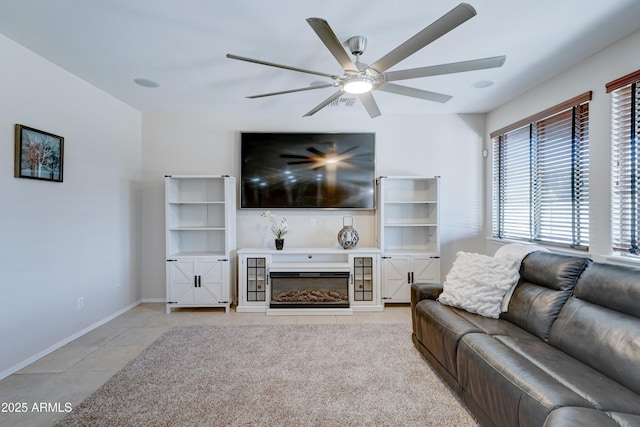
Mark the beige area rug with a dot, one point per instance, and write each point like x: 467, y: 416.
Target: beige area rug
x: 275, y: 375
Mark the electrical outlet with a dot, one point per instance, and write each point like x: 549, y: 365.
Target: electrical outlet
x: 80, y: 302
x: 312, y: 222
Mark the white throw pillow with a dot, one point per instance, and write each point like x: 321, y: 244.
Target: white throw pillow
x: 477, y: 283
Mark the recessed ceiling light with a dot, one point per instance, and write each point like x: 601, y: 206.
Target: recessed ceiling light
x: 482, y: 84
x: 146, y: 83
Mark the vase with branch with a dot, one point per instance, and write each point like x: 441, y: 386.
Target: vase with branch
x: 277, y: 228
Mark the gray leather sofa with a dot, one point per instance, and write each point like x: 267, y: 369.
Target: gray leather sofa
x: 567, y: 352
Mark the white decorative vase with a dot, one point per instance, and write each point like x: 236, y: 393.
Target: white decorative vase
x: 348, y: 236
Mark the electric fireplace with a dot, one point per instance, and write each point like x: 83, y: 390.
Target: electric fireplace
x: 327, y: 289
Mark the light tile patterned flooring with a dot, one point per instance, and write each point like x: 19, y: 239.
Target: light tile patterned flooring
x: 74, y: 371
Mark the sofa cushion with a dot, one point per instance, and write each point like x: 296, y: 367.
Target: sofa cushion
x: 477, y: 283
x: 510, y: 388
x: 604, y: 339
x: 602, y: 392
x: 441, y: 328
x: 585, y: 417
x: 611, y: 286
x: 492, y: 326
x: 599, y: 325
x: 546, y: 282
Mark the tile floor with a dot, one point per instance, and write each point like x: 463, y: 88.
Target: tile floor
x: 73, y: 372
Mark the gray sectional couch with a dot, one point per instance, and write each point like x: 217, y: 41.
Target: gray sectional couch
x: 566, y: 353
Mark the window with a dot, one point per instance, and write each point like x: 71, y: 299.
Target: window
x: 541, y: 177
x: 625, y: 133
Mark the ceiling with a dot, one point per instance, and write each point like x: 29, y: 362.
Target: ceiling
x: 181, y: 45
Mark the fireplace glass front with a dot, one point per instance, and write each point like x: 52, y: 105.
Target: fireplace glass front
x: 310, y: 289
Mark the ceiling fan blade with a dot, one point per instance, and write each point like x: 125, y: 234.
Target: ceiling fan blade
x: 453, y: 67
x: 415, y: 93
x: 282, y: 92
x: 330, y: 40
x: 316, y: 151
x: 324, y: 103
x: 437, y: 29
x: 349, y: 149
x: 285, y: 67
x: 294, y: 156
x: 370, y: 104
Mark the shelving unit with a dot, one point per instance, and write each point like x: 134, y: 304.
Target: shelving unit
x: 408, y: 233
x: 200, y: 240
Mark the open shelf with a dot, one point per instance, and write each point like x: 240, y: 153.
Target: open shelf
x: 195, y: 189
x: 408, y: 214
x: 189, y: 215
x: 411, y: 190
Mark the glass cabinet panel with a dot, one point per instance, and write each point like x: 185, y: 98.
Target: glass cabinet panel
x: 256, y: 279
x: 363, y: 278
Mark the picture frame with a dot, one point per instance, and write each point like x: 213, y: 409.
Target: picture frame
x: 38, y: 154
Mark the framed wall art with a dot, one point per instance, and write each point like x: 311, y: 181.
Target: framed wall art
x: 38, y: 154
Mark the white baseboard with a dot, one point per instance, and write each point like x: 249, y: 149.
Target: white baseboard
x: 65, y: 341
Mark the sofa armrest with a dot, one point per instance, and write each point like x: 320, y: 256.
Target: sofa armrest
x: 420, y: 291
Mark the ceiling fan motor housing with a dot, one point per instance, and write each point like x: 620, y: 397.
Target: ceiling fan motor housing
x: 357, y: 45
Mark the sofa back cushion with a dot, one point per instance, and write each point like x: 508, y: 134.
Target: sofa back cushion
x: 600, y: 324
x: 546, y: 282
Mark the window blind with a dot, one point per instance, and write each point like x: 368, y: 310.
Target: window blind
x: 513, y: 202
x: 541, y: 179
x: 625, y: 170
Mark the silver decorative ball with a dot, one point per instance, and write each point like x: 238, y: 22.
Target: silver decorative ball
x: 348, y: 237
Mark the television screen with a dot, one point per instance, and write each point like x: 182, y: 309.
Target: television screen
x: 307, y: 170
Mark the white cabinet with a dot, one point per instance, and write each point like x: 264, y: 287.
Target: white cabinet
x: 361, y: 265
x: 408, y: 234
x: 400, y: 271
x: 200, y: 240
x: 253, y: 280
x: 198, y: 280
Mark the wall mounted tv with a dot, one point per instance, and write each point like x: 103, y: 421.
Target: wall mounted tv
x: 307, y: 170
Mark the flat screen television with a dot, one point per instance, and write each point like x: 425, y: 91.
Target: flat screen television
x: 307, y: 170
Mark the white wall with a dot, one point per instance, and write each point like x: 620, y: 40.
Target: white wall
x: 615, y: 61
x: 445, y: 145
x: 78, y: 238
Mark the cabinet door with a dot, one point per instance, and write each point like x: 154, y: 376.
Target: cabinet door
x: 397, y: 277
x: 363, y: 278
x: 256, y: 279
x: 211, y: 281
x: 182, y: 280
x: 198, y: 281
x: 426, y: 270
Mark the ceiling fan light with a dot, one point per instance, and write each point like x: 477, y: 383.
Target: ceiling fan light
x: 358, y: 85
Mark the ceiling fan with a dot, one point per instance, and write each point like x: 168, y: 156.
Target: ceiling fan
x: 360, y: 79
